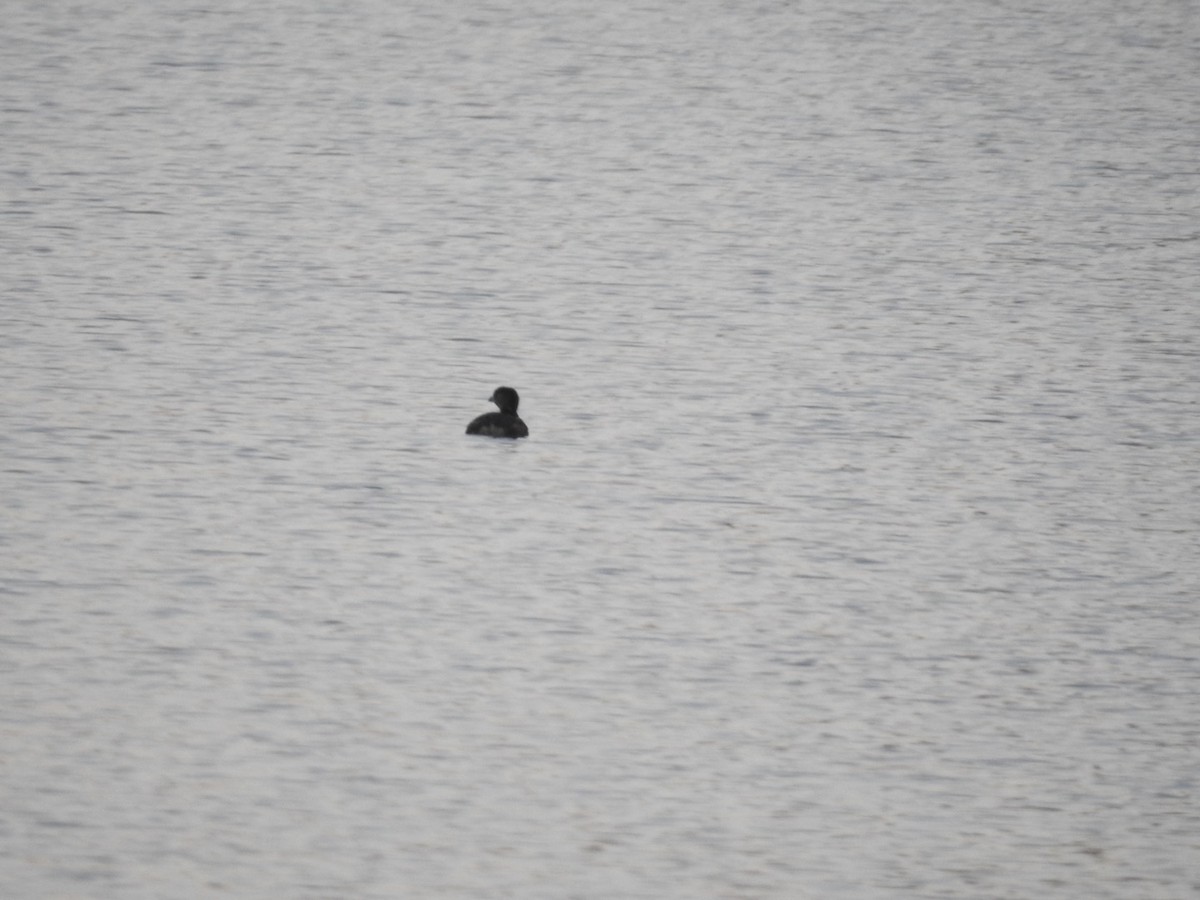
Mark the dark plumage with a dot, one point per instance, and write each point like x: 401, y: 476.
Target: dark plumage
x: 503, y: 424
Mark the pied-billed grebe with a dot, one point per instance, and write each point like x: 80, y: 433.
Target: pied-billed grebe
x: 503, y: 424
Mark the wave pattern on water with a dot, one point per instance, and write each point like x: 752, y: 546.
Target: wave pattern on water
x: 853, y: 553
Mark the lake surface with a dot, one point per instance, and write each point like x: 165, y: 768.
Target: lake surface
x: 854, y: 551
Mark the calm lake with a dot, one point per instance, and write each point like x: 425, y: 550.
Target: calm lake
x: 854, y: 553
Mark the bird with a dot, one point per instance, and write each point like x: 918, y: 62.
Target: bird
x: 503, y: 424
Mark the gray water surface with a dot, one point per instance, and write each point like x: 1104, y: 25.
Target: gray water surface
x: 854, y: 550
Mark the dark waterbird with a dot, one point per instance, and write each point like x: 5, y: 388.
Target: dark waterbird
x: 503, y: 424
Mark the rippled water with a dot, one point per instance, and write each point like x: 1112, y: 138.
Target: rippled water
x: 853, y: 552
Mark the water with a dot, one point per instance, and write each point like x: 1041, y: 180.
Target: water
x: 853, y: 553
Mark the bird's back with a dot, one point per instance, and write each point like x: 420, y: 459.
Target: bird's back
x: 498, y: 424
